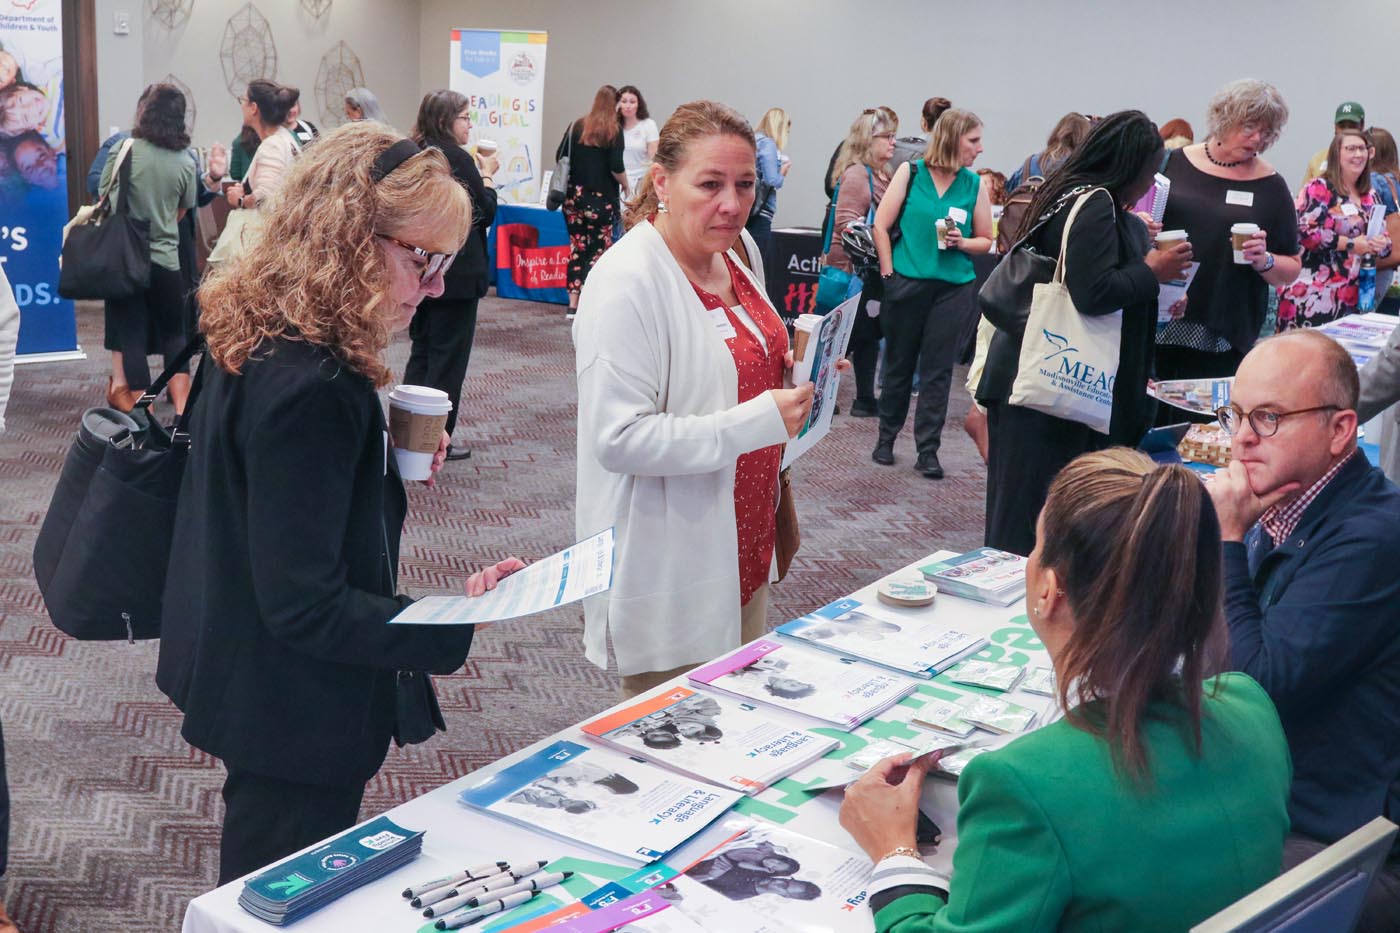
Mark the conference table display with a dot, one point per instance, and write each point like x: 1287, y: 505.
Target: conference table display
x: 527, y: 248
x: 612, y: 832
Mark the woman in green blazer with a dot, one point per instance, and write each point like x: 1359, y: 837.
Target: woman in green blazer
x: 1159, y: 799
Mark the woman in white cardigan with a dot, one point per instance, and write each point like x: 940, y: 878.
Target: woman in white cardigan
x: 682, y: 410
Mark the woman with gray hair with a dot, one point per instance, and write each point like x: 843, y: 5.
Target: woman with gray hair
x: 1216, y: 184
x: 361, y: 104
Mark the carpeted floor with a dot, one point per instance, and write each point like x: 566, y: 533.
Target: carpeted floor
x: 116, y: 819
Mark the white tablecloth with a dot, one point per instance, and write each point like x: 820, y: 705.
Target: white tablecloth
x: 458, y: 837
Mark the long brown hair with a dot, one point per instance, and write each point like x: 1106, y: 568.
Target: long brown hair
x: 602, y: 124
x: 1136, y: 547
x: 1333, y: 174
x: 315, y: 273
x: 1068, y: 133
x: 690, y: 122
x: 436, y: 114
x: 1385, y: 160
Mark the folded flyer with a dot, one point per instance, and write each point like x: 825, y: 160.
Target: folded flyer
x: 716, y: 738
x: 1199, y: 396
x: 820, y: 342
x: 986, y: 575
x: 601, y: 798
x: 767, y: 879
x: 837, y: 691
x: 905, y: 642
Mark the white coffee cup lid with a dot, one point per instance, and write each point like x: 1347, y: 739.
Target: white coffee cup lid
x: 1172, y: 235
x: 1245, y: 227
x: 423, y: 399
x: 486, y: 144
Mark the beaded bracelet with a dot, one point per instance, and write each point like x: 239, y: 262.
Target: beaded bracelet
x: 902, y: 850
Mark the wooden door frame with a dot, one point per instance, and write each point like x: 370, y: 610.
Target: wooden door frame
x: 79, y: 19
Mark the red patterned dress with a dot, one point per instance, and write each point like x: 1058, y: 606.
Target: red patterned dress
x: 760, y: 368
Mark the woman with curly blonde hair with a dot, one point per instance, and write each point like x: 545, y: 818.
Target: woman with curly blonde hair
x: 274, y: 641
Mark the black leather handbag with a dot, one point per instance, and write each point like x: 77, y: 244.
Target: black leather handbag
x: 1005, y: 298
x: 102, y: 552
x: 107, y: 254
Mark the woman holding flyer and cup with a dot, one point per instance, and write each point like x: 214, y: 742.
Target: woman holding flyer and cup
x: 682, y: 411
x: 274, y: 640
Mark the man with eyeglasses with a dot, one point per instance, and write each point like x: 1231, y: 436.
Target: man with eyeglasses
x: 1312, y: 591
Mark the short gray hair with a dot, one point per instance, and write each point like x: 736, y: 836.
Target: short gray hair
x: 1247, y: 101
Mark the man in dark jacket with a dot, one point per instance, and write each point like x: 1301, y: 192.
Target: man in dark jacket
x: 1311, y: 533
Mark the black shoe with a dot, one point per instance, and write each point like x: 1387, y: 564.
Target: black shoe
x: 863, y: 409
x: 458, y: 453
x: 883, y: 453
x: 929, y: 466
x: 836, y: 410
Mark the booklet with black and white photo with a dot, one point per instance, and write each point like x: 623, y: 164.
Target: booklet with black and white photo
x: 834, y: 690
x: 767, y: 879
x: 600, y: 798
x: 888, y: 637
x: 721, y: 739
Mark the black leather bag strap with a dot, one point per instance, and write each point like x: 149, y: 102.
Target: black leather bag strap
x: 171, y: 369
x: 123, y: 191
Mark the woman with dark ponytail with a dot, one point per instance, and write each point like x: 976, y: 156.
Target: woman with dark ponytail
x: 1161, y: 796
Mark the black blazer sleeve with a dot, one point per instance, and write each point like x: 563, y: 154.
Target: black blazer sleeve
x: 296, y: 460
x: 483, y: 198
x: 1099, y: 281
x: 615, y: 164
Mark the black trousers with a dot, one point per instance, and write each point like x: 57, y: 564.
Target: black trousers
x: 267, y: 819
x: 1026, y: 449
x: 922, y: 320
x: 4, y: 809
x: 760, y: 227
x: 153, y: 320
x: 1380, y: 912
x: 864, y: 349
x: 442, y: 330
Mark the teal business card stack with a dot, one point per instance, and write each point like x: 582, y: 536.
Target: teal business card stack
x: 307, y: 882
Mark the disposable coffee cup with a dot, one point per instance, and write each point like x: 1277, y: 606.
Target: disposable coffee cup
x: 941, y: 225
x: 1168, y: 239
x: 1238, y: 234
x: 417, y: 416
x: 487, y: 146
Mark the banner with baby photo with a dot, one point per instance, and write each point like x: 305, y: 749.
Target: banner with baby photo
x: 501, y: 72
x: 33, y: 174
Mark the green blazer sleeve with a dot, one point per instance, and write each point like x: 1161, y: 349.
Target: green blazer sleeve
x: 1009, y: 872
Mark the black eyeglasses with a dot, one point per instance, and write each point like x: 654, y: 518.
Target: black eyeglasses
x: 433, y: 263
x: 1262, y: 420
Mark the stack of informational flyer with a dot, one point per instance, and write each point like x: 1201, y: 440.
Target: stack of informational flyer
x: 889, y: 637
x: 834, y: 690
x: 986, y: 575
x: 602, y: 799
x: 717, y: 738
x: 764, y: 878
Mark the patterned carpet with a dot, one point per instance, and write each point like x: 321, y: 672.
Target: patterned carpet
x: 116, y: 818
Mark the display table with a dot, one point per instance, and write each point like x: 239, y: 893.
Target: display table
x: 457, y: 837
x: 527, y: 252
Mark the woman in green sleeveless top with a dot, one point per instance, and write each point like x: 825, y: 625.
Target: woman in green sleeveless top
x: 928, y: 280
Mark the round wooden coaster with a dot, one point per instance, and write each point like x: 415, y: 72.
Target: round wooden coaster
x: 906, y: 594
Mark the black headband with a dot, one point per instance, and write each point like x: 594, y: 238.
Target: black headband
x: 391, y: 158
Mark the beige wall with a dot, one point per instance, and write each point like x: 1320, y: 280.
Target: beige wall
x: 1018, y: 63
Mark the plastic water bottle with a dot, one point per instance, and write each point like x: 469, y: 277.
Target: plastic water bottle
x: 1366, y: 284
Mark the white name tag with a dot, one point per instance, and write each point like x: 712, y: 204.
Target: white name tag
x: 957, y: 215
x: 720, y: 319
x: 1349, y: 209
x: 1241, y: 198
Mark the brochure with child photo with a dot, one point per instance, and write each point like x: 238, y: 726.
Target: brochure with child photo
x: 889, y: 637
x: 819, y: 342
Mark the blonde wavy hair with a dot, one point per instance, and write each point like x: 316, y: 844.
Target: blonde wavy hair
x: 857, y: 147
x: 315, y: 273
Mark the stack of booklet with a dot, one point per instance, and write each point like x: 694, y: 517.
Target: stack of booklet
x: 294, y: 888
x: 602, y: 799
x: 764, y: 878
x: 986, y: 575
x: 715, y: 738
x: 888, y: 637
x: 834, y: 690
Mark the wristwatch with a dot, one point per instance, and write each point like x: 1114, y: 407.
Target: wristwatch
x: 1268, y: 265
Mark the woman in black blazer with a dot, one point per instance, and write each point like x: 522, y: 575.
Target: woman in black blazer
x: 443, y: 328
x: 1108, y: 266
x: 274, y: 638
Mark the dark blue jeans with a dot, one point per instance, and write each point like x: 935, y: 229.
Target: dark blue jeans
x: 760, y: 227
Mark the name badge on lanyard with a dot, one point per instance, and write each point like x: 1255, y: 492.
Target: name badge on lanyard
x: 720, y: 319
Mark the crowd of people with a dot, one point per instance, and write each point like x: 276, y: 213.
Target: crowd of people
x: 1227, y: 652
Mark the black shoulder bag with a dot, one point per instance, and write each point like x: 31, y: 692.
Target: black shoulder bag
x: 107, y: 254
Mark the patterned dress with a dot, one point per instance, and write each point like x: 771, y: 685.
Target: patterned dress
x: 756, y: 473
x: 1326, y: 288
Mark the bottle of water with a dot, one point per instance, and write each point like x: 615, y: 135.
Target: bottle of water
x: 1366, y: 284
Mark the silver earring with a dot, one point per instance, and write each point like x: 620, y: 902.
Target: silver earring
x: 661, y: 208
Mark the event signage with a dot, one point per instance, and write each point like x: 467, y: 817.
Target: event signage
x: 501, y: 72
x: 33, y: 172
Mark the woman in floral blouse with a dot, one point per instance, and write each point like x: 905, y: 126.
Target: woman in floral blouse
x: 1333, y: 213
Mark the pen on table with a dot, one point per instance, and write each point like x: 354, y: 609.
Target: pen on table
x: 435, y: 895
x: 475, y: 888
x: 481, y: 898
x: 466, y: 874
x: 481, y: 913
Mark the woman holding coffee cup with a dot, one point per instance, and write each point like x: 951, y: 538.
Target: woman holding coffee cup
x: 275, y: 642
x: 1217, y: 186
x: 944, y: 215
x: 1334, y: 213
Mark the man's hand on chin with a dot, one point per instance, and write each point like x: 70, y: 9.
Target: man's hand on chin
x: 1237, y: 505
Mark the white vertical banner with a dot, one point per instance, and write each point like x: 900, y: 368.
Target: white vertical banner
x: 501, y: 72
